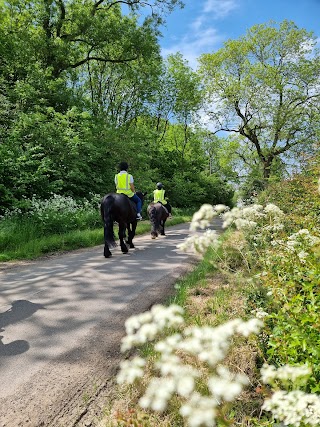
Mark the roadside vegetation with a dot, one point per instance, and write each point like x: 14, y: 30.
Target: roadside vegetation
x: 238, y: 344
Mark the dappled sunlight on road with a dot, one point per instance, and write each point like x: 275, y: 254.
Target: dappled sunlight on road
x: 71, y: 294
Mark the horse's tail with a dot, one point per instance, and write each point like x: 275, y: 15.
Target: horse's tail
x: 107, y: 217
x: 153, y: 215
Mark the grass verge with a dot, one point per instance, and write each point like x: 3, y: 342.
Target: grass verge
x: 210, y: 296
x: 32, y: 247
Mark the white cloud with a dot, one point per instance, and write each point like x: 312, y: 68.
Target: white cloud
x: 197, y: 23
x: 220, y: 8
x: 192, y: 46
x: 203, y: 37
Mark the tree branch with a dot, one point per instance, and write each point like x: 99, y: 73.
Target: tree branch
x: 100, y: 59
x: 62, y: 16
x: 246, y: 131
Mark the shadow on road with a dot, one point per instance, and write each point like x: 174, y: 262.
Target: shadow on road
x: 20, y: 310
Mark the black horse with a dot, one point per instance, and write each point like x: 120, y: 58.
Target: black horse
x: 116, y: 207
x: 158, y: 215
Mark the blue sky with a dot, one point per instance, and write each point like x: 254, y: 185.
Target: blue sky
x: 203, y: 25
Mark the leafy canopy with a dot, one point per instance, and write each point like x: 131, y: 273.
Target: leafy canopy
x: 265, y: 87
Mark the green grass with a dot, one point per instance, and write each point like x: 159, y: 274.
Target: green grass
x: 24, y: 240
x: 197, y: 277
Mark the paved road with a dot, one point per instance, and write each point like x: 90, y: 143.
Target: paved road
x: 62, y: 319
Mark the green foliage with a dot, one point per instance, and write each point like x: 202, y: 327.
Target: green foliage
x: 294, y: 307
x: 298, y: 197
x: 286, y: 254
x: 294, y: 327
x: 193, y: 191
x: 83, y: 87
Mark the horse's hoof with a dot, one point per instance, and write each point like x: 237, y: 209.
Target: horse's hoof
x: 132, y: 246
x: 153, y: 237
x: 162, y: 234
x: 107, y: 256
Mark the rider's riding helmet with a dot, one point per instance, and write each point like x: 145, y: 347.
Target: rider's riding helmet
x: 159, y: 185
x: 123, y: 166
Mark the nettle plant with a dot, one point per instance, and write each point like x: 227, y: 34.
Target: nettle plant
x: 189, y: 362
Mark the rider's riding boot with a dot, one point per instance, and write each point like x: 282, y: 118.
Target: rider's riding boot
x: 139, y: 216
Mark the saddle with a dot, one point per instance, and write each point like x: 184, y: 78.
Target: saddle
x: 163, y: 207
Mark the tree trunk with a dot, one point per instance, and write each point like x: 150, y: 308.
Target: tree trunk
x: 267, y: 167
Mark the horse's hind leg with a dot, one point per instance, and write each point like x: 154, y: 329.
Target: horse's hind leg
x: 131, y: 233
x: 106, y: 251
x: 162, y: 228
x: 122, y: 234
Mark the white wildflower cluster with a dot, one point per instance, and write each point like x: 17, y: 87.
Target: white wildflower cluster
x: 221, y: 208
x: 210, y: 345
x: 301, y: 240
x: 226, y: 385
x: 179, y: 378
x: 303, y: 255
x: 284, y: 374
x: 200, y: 242
x: 200, y: 410
x: 259, y: 313
x: 298, y: 244
x: 11, y: 213
x: 243, y: 217
x: 294, y: 408
x: 250, y: 217
x: 203, y: 217
x: 130, y: 370
x: 146, y: 326
x: 56, y: 203
x: 273, y: 211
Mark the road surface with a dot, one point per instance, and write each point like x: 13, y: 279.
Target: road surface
x: 61, y: 322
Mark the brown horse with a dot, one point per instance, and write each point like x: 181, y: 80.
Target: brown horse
x: 119, y: 208
x: 158, y: 215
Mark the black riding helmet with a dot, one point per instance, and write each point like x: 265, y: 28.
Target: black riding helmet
x: 159, y: 185
x: 123, y: 166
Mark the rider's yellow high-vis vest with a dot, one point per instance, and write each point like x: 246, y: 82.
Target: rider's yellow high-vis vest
x: 158, y: 196
x: 123, y: 184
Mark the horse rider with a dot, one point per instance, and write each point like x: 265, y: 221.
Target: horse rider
x: 158, y: 197
x: 124, y: 184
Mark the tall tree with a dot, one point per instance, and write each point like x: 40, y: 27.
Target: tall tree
x: 47, y: 40
x: 265, y: 87
x: 176, y: 100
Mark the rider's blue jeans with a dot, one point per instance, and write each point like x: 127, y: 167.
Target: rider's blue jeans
x: 138, y: 202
